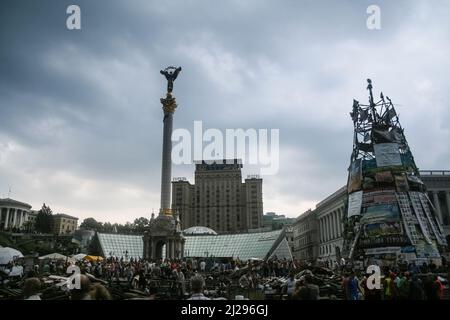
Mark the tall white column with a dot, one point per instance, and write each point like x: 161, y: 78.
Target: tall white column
x: 437, y: 206
x: 336, y: 216
x: 319, y: 224
x: 333, y: 231
x: 328, y: 227
x: 169, y: 106
x: 334, y: 220
x: 447, y: 196
x: 330, y: 223
x: 338, y: 233
x: 14, y: 218
x: 7, y: 218
x: 22, y: 218
x: 324, y: 228
x: 173, y: 249
x: 330, y: 220
x: 19, y: 218
x: 321, y: 230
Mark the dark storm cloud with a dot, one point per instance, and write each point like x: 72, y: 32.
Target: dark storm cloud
x: 80, y: 118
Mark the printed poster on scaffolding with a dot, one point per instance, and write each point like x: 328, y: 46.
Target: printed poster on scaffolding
x: 354, y: 203
x: 387, y: 154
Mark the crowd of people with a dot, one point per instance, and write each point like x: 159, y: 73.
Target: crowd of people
x: 394, y: 286
x: 399, y: 283
x: 146, y: 276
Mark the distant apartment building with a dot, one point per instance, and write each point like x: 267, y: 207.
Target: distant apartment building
x: 31, y: 223
x: 64, y: 224
x: 219, y: 199
x: 273, y: 221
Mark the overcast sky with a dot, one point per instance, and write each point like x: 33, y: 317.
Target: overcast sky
x: 81, y: 121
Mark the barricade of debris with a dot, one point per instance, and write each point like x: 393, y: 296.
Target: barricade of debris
x: 330, y: 283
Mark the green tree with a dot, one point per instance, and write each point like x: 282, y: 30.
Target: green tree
x: 126, y: 228
x: 44, y: 220
x: 108, y: 227
x: 91, y: 224
x: 140, y: 224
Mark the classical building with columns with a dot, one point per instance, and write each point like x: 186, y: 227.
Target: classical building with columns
x: 13, y: 214
x: 438, y: 188
x: 305, y: 234
x: 330, y: 213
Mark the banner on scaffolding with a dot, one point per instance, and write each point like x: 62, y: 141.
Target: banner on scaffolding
x: 378, y: 197
x: 382, y: 229
x: 354, y: 203
x: 355, y: 176
x: 381, y: 213
x: 387, y: 155
x: 383, y: 250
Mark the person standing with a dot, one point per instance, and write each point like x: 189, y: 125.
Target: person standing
x: 439, y: 287
x: 312, y: 290
x: 415, y: 289
x: 404, y: 284
x: 197, y: 285
x: 345, y: 281
x: 202, y: 266
x: 389, y: 288
x: 353, y: 287
x: 431, y: 288
x: 31, y: 289
x: 290, y: 285
x: 182, y: 282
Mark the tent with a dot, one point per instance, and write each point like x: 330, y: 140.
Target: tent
x: 93, y: 258
x: 79, y: 256
x: 54, y: 256
x: 9, y: 254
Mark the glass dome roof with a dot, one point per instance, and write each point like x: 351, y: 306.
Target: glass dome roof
x: 199, y: 230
